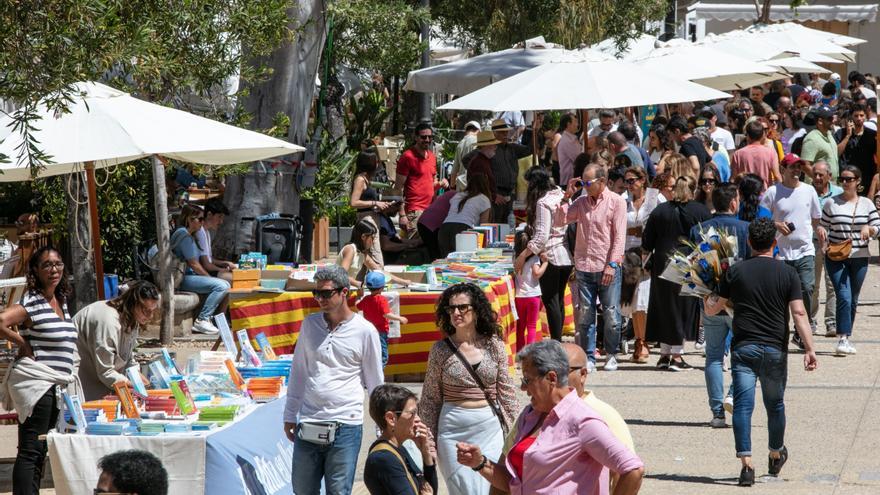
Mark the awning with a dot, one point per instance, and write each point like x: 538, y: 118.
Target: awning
x: 747, y: 12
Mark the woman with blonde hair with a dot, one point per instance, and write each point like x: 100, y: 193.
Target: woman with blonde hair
x: 678, y: 165
x: 672, y: 318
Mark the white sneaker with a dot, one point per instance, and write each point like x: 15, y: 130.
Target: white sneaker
x: 610, y: 364
x: 205, y: 327
x: 591, y: 367
x: 844, y: 347
x: 728, y: 404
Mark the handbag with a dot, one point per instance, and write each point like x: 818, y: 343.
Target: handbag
x: 839, y: 251
x: 493, y: 403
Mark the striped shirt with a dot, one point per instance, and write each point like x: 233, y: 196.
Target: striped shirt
x: 840, y: 223
x: 550, y: 228
x: 52, y: 339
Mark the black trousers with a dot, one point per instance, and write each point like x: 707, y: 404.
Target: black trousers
x: 28, y: 469
x: 429, y: 237
x: 501, y: 212
x: 553, y: 284
x: 446, y: 237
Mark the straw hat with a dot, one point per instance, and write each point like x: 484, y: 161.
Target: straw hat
x: 486, y: 138
x: 500, y: 125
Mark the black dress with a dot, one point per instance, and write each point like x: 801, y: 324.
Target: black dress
x: 671, y: 318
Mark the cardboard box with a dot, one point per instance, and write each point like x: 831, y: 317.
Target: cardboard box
x: 275, y: 278
x: 245, y: 279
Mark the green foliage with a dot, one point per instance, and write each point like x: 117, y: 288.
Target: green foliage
x: 125, y: 211
x: 365, y: 117
x: 499, y: 24
x: 333, y: 179
x: 377, y: 35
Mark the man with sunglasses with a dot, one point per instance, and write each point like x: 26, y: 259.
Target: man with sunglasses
x: 857, y: 145
x: 795, y: 211
x: 416, y: 178
x: 337, y: 356
x: 601, y: 218
x: 825, y: 189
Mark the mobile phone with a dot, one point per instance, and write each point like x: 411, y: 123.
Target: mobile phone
x: 790, y: 226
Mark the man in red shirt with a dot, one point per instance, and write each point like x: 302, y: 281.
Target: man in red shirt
x: 417, y: 178
x: 756, y: 158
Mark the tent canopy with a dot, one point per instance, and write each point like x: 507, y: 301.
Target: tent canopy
x: 746, y: 12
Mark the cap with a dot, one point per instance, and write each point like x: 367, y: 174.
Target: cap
x: 476, y: 125
x: 486, y: 138
x: 824, y: 112
x: 701, y: 122
x: 500, y: 125
x: 374, y: 280
x: 791, y: 159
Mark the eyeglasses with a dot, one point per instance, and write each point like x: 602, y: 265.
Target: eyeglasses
x: 572, y: 369
x: 588, y: 183
x: 631, y: 181
x: 773, y: 121
x: 525, y: 381
x: 326, y: 293
x: 52, y: 266
x: 426, y: 137
x: 411, y: 413
x: 846, y: 180
x: 706, y: 182
x: 461, y: 308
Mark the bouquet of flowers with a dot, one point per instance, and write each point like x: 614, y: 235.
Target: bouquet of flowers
x: 700, y: 269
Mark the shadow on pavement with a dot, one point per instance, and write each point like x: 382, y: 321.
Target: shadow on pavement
x: 645, y: 422
x: 682, y: 478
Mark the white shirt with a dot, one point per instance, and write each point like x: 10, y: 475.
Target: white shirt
x: 798, y: 206
x: 526, y: 282
x: 867, y: 92
x: 724, y: 138
x: 203, y: 238
x: 330, y: 371
x: 470, y: 212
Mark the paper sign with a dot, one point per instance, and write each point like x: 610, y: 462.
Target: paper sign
x: 226, y: 335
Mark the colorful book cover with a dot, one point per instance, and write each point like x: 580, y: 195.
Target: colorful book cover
x: 126, y: 400
x: 247, y: 350
x: 169, y: 362
x: 160, y: 375
x: 235, y: 375
x: 134, y: 376
x: 266, y: 347
x: 226, y: 335
x: 72, y: 403
x: 184, y: 399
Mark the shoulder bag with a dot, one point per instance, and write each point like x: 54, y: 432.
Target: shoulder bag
x: 493, y: 403
x: 839, y: 251
x: 386, y: 447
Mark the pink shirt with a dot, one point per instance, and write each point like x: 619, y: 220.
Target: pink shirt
x: 601, y: 232
x: 550, y: 228
x: 572, y: 453
x: 567, y: 150
x: 754, y: 159
x: 434, y: 215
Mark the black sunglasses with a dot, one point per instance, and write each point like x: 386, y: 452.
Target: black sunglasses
x: 461, y: 308
x: 428, y: 137
x: 708, y: 181
x: 326, y: 293
x: 846, y: 180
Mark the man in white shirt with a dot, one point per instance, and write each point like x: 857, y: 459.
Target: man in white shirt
x: 720, y: 135
x: 337, y: 356
x: 796, y: 212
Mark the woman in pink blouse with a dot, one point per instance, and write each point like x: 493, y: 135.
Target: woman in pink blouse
x: 454, y: 405
x: 562, y: 446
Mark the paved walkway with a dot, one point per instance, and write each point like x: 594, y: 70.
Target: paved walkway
x: 832, y: 433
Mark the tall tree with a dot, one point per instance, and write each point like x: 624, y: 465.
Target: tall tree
x: 762, y: 8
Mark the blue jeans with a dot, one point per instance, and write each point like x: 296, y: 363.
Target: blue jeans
x: 589, y: 289
x: 806, y: 270
x: 752, y: 362
x: 716, y: 330
x: 214, y: 287
x: 847, y: 276
x: 335, y: 463
x: 383, y: 340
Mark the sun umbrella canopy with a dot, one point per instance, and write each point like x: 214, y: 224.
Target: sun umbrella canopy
x: 107, y: 126
x: 466, y: 76
x: 705, y: 65
x: 587, y: 83
x: 793, y: 27
x: 635, y: 48
x: 794, y: 65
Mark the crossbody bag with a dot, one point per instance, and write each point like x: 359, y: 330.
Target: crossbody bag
x: 386, y: 447
x: 839, y: 251
x: 493, y: 403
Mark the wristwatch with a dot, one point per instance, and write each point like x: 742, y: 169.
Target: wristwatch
x: 613, y: 264
x: 481, y: 465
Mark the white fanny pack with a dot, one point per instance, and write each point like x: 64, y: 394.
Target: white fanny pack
x: 317, y: 433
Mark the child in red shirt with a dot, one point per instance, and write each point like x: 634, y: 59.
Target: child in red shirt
x: 377, y: 311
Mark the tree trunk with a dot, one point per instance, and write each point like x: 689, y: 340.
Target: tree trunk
x: 81, y: 255
x: 165, y: 279
x: 290, y: 90
x: 764, y: 13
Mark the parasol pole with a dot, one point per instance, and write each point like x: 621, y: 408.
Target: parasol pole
x: 92, y: 188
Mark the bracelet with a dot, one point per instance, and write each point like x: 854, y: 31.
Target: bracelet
x: 481, y: 465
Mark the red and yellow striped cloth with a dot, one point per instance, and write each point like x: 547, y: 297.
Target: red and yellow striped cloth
x: 280, y: 316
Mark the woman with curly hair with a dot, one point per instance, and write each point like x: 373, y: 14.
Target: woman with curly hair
x: 456, y: 406
x: 45, y: 365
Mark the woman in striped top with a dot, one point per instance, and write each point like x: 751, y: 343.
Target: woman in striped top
x: 848, y: 216
x: 48, y: 336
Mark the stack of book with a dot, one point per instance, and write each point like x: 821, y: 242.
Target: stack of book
x: 264, y: 389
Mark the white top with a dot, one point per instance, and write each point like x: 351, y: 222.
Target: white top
x: 798, y: 206
x: 203, y: 240
x: 526, y: 282
x: 867, y: 92
x: 842, y: 223
x: 638, y: 218
x: 724, y: 138
x: 470, y: 213
x: 331, y: 370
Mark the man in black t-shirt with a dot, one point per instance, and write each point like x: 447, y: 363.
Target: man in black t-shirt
x: 690, y: 145
x: 857, y: 145
x: 763, y: 292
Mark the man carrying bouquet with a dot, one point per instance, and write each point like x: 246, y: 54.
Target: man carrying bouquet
x: 763, y: 292
x: 725, y: 199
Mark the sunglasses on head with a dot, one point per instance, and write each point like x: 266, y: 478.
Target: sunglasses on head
x: 326, y: 293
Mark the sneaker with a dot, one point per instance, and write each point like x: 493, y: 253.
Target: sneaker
x: 663, y: 362
x: 610, y: 364
x: 844, y: 347
x: 814, y: 328
x: 591, y: 367
x: 679, y: 365
x: 205, y: 327
x: 796, y: 340
x: 718, y: 422
x: 728, y: 404
x: 747, y: 476
x: 700, y: 345
x: 725, y: 363
x: 830, y: 332
x: 774, y: 465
